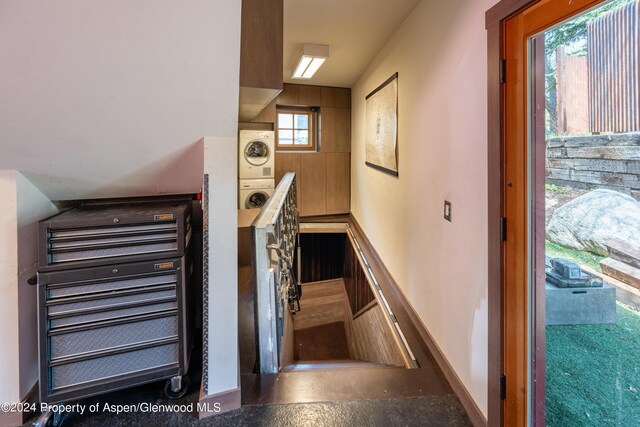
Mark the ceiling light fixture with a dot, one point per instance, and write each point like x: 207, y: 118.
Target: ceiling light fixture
x: 309, y: 60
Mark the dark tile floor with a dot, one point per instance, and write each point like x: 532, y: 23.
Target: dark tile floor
x: 409, y: 411
x: 379, y: 397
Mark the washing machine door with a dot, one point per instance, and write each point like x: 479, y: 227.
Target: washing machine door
x: 257, y: 199
x: 256, y: 152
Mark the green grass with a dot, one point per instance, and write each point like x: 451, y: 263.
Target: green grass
x: 554, y: 250
x: 593, y: 373
x: 556, y: 188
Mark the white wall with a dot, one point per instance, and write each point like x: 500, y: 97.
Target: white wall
x: 221, y: 166
x: 108, y: 98
x: 22, y: 206
x: 9, y: 332
x: 440, y: 54
x: 111, y: 98
x: 32, y: 207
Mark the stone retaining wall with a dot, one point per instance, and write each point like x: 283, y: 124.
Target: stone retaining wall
x: 596, y: 161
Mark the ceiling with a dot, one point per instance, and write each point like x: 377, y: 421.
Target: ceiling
x: 355, y: 30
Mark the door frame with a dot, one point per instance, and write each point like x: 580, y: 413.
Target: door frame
x: 516, y: 391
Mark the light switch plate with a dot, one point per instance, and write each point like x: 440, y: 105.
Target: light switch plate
x: 447, y: 210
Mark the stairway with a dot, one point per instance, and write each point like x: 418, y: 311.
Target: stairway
x: 317, y: 365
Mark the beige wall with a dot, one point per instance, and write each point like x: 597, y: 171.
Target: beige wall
x: 9, y: 356
x: 22, y: 206
x: 112, y: 99
x: 220, y: 163
x: 32, y: 207
x: 108, y: 98
x: 440, y: 55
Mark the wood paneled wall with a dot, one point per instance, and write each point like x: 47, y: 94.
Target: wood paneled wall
x: 355, y: 281
x: 323, y: 256
x: 327, y: 256
x: 261, y: 51
x: 261, y: 44
x: 372, y: 340
x: 323, y: 176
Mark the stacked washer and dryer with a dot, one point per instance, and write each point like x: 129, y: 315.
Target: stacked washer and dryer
x: 256, y: 156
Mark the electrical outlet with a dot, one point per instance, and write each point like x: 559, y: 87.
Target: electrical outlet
x: 447, y: 210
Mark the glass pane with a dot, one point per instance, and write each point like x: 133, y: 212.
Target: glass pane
x: 285, y: 137
x: 285, y: 120
x: 302, y: 121
x: 302, y: 137
x: 592, y: 330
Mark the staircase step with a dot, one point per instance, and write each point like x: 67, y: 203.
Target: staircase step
x: 621, y: 271
x: 309, y: 365
x: 621, y: 251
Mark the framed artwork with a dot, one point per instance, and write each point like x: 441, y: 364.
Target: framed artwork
x: 381, y: 133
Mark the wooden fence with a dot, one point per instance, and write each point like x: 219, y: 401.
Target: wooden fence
x: 601, y: 92
x: 613, y: 49
x: 572, y: 84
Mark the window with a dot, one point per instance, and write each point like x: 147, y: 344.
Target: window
x: 296, y: 129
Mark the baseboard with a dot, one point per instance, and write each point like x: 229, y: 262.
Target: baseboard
x: 33, y: 397
x: 13, y: 419
x: 475, y: 414
x: 219, y: 403
x: 402, y: 303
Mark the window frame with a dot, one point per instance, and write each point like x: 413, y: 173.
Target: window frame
x: 312, y: 113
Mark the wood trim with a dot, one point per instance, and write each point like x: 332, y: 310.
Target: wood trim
x: 494, y: 162
x: 516, y: 309
x: 538, y: 106
x: 312, y: 115
x: 32, y: 397
x: 219, y: 403
x: 314, y: 227
x: 12, y: 419
x: 495, y: 23
x: 365, y: 309
x: 475, y: 414
x: 505, y: 9
x: 418, y: 337
x: 361, y: 269
x: 348, y: 319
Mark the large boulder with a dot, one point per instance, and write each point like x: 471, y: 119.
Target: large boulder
x: 589, y: 222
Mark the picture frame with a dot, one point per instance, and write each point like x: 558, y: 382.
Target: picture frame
x: 381, y: 127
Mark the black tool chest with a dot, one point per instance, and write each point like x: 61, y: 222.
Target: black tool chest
x: 114, y: 294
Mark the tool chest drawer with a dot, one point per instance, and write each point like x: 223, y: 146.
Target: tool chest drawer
x: 83, y: 371
x: 104, y: 327
x: 83, y: 287
x: 105, y: 234
x: 103, y: 301
x: 56, y: 321
x: 106, y: 336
